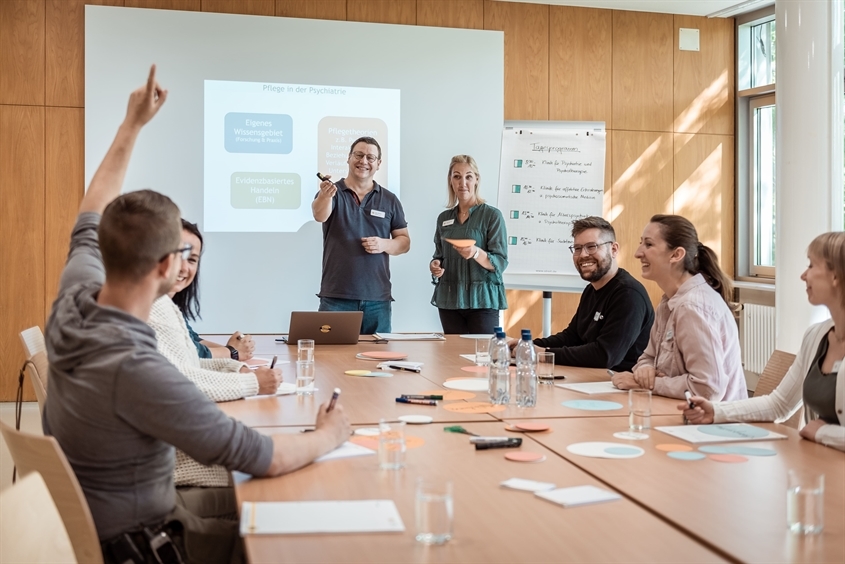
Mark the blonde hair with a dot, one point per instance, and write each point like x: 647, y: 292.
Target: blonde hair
x: 830, y: 247
x: 462, y: 159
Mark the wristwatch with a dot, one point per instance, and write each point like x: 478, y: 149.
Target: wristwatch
x: 233, y: 352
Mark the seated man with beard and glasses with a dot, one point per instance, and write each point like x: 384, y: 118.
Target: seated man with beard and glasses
x: 611, y: 327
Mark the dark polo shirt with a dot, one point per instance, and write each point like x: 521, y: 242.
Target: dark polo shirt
x: 350, y: 272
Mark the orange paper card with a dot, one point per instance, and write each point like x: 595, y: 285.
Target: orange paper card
x: 473, y: 407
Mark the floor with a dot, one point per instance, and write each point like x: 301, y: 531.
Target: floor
x: 30, y: 423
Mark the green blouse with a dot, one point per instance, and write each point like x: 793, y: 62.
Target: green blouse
x: 465, y: 284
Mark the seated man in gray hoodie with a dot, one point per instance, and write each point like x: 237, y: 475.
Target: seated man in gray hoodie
x: 116, y: 406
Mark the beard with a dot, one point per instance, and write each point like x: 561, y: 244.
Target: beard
x: 602, y: 267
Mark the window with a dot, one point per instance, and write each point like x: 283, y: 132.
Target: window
x: 756, y: 134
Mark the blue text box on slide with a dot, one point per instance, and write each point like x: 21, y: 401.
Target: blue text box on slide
x: 258, y: 133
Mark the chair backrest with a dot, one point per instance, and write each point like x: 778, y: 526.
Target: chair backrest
x: 33, y: 341
x: 776, y: 368
x: 36, y: 369
x: 32, y: 528
x: 33, y: 453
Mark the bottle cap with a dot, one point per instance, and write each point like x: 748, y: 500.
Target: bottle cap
x: 526, y: 334
x: 497, y: 329
x: 500, y: 334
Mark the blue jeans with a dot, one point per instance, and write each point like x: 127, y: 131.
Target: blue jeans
x: 376, y: 314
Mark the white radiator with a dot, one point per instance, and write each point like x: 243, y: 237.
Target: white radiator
x: 756, y: 336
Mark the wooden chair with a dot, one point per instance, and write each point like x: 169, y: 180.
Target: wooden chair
x: 36, y: 365
x: 32, y: 528
x: 33, y: 453
x: 776, y: 368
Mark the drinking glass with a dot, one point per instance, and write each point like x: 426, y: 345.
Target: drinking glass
x: 805, y: 502
x: 434, y: 511
x: 305, y: 350
x: 546, y: 367
x: 391, y: 444
x: 639, y: 411
x: 304, y: 377
x: 482, y: 352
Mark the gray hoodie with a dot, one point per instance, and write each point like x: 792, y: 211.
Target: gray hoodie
x: 117, y: 407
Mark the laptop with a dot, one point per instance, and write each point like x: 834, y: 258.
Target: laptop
x: 325, y: 327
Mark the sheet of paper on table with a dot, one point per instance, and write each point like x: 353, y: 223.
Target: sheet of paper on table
x: 298, y: 517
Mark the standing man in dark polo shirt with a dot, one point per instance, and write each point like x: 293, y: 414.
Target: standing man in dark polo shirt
x: 611, y: 326
x: 363, y: 223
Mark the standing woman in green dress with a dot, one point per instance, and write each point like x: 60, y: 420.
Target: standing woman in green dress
x: 467, y: 277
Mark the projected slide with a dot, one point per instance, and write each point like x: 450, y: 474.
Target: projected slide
x: 265, y: 142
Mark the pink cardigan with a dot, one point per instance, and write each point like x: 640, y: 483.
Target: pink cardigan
x: 694, y: 342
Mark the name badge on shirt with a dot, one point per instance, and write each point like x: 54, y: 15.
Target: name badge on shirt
x: 837, y: 365
x: 598, y: 316
x: 448, y: 222
x: 669, y: 335
x: 377, y: 213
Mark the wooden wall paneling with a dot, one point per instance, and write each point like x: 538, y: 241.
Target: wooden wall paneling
x: 313, y: 9
x: 526, y: 28
x: 580, y: 64
x: 382, y: 11
x: 468, y: 14
x: 248, y: 7
x: 704, y: 81
x: 642, y: 185
x: 704, y: 190
x: 22, y: 52
x: 188, y: 5
x: 525, y: 311
x: 22, y: 233
x: 642, y: 71
x: 64, y: 188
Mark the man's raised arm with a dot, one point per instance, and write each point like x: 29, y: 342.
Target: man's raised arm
x: 144, y: 103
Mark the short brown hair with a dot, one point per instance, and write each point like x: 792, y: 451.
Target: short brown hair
x: 368, y: 141
x: 593, y: 222
x: 136, y: 231
x: 830, y: 247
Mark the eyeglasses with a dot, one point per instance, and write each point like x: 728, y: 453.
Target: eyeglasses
x: 591, y: 248
x: 358, y: 155
x: 184, y: 252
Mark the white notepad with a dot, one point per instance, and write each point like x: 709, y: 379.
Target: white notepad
x: 578, y: 495
x: 302, y: 517
x: 527, y: 485
x: 591, y: 387
x: 346, y: 450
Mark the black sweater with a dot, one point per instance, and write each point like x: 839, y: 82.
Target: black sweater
x: 610, y: 329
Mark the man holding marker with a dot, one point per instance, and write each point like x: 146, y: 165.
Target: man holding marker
x: 363, y: 223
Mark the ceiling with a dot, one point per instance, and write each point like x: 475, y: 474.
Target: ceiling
x: 683, y: 7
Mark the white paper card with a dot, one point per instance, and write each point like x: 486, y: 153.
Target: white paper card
x: 578, y: 495
x: 285, y: 388
x: 410, y: 336
x: 527, y: 485
x: 591, y: 387
x: 728, y: 433
x: 298, y: 517
x: 346, y: 450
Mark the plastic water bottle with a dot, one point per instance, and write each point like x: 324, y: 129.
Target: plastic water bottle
x: 493, y: 339
x: 526, y: 371
x: 499, y: 371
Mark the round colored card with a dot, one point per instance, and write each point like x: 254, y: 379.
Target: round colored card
x: 415, y: 419
x: 605, y: 450
x: 372, y: 442
x: 383, y: 355
x: 475, y: 369
x: 468, y: 384
x: 727, y: 458
x: 449, y: 395
x: 685, y: 455
x: 523, y: 456
x: 473, y: 407
x: 368, y: 373
x: 734, y: 431
x: 670, y: 447
x: 460, y: 242
x: 592, y: 405
x: 368, y: 432
x: 532, y: 427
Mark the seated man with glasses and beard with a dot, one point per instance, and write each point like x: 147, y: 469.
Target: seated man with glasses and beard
x: 611, y: 327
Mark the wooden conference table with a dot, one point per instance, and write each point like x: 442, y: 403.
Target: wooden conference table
x: 672, y: 510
